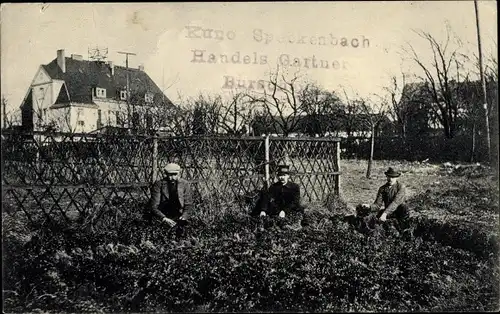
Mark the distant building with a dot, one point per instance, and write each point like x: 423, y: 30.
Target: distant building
x: 335, y: 125
x: 70, y: 94
x: 418, y: 102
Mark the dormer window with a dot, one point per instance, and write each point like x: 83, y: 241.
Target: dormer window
x: 148, y: 97
x: 123, y: 95
x: 100, y: 92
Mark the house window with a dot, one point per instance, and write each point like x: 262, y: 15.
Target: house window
x: 100, y: 92
x: 81, y: 123
x: 148, y: 97
x: 123, y: 95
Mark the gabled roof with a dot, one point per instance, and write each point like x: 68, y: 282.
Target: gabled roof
x: 83, y: 75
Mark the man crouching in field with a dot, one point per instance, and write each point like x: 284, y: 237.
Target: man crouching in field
x: 171, y: 199
x: 389, y: 203
x: 282, y: 199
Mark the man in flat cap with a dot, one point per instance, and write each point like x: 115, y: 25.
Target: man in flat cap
x: 282, y: 198
x: 389, y: 203
x: 171, y: 198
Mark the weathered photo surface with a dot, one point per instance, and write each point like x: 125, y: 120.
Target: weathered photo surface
x: 250, y: 157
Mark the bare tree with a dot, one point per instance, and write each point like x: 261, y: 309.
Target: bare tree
x: 491, y: 68
x: 237, y: 114
x: 281, y: 104
x: 400, y: 96
x: 160, y: 115
x: 469, y: 114
x: 175, y: 120
x: 207, y: 114
x: 491, y: 76
x: 469, y: 94
x: 439, y: 75
x: 203, y: 114
x: 324, y: 110
x: 374, y: 114
x: 179, y: 121
x: 352, y: 111
x: 10, y: 117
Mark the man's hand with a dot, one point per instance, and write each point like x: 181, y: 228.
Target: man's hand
x: 169, y: 222
x: 383, y: 217
x: 367, y: 206
x: 282, y: 214
x: 262, y: 213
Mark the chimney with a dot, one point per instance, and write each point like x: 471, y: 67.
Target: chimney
x: 77, y: 57
x: 111, y: 67
x: 61, y: 61
x: 141, y: 67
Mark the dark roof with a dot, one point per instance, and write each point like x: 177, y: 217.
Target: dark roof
x: 420, y: 92
x: 82, y: 76
x: 28, y: 100
x: 416, y: 92
x: 63, y: 97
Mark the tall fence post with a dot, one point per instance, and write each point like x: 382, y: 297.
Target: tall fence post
x: 337, y: 162
x: 154, y: 160
x: 98, y: 159
x: 38, y: 160
x: 266, y: 165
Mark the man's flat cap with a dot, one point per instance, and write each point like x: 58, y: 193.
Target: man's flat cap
x: 172, y: 168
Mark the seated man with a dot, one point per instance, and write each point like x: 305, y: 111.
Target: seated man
x: 282, y: 198
x: 389, y: 203
x: 171, y: 198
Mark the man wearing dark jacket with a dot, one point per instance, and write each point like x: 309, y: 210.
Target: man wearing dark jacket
x: 171, y: 198
x: 282, y: 198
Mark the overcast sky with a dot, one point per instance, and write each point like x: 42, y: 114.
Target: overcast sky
x: 168, y: 39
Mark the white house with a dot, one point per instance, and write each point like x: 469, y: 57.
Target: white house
x: 76, y: 95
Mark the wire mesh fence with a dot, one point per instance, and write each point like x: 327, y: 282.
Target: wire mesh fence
x: 84, y: 177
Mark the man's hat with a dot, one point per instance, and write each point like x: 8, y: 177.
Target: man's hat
x: 392, y: 173
x: 172, y: 168
x: 283, y: 169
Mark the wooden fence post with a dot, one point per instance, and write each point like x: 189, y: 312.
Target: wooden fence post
x: 337, y: 178
x: 266, y: 146
x: 38, y: 161
x: 96, y: 173
x: 154, y: 160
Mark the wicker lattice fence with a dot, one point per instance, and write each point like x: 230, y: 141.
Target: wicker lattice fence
x: 49, y: 176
